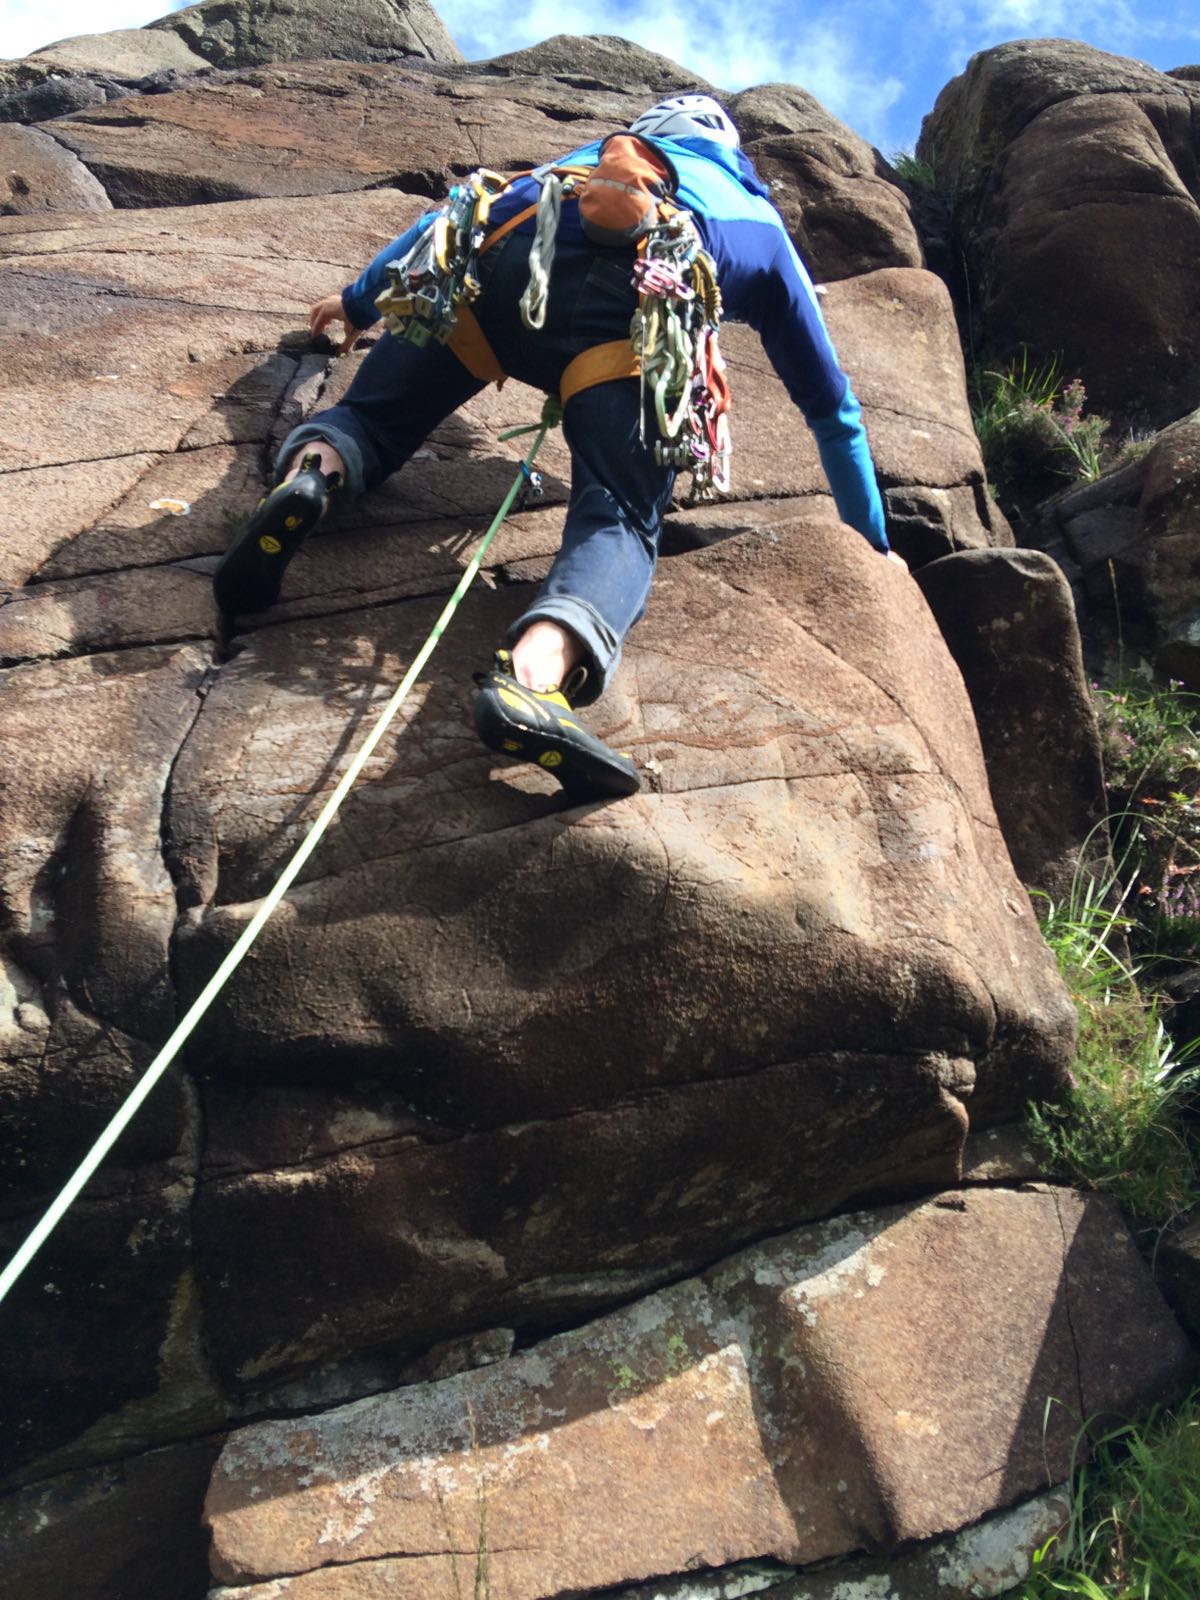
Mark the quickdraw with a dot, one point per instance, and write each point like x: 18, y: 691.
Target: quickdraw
x: 440, y: 273
x: 675, y: 335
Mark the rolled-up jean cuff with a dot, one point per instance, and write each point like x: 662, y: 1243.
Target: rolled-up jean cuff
x: 602, y: 647
x: 346, y: 447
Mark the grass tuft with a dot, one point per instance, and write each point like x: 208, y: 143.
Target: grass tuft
x: 1134, y: 1514
x: 910, y: 169
x: 1120, y: 1132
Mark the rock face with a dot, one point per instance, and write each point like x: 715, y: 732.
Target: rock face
x: 821, y: 849
x: 1053, y: 154
x: 832, y: 188
x: 1009, y: 620
x: 798, y: 1402
x: 127, y: 55
x: 498, y: 1065
x: 1135, y: 537
x: 39, y: 175
x: 245, y: 33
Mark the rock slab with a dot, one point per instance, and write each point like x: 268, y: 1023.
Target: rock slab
x: 843, y: 1387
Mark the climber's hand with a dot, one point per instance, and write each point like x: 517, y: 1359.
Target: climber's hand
x: 331, y: 310
x: 899, y: 560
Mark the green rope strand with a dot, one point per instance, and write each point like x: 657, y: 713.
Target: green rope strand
x: 551, y: 416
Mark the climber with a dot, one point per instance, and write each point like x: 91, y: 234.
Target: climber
x: 684, y: 153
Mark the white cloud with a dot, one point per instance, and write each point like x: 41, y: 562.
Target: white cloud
x: 29, y: 25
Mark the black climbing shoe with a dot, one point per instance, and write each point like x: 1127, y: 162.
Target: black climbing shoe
x: 543, y: 728
x: 251, y: 570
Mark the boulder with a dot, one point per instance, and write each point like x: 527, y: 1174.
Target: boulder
x: 1135, y: 534
x: 1167, y: 548
x: 242, y: 33
x: 795, y: 928
x: 39, y: 97
x: 797, y: 1402
x: 776, y: 826
x: 37, y: 174
x: 594, y: 62
x: 985, y: 1560
x: 128, y: 1528
x: 321, y: 128
x: 1054, y: 153
x: 845, y: 214
x: 126, y: 55
x: 1009, y: 621
x: 1178, y: 1268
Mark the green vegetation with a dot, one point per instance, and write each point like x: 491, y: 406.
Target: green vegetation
x: 1029, y: 421
x: 1136, y: 1489
x: 1150, y: 741
x: 1120, y: 1132
x: 910, y: 169
x: 1134, y: 1514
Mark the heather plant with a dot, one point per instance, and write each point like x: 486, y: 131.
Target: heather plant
x: 1029, y: 422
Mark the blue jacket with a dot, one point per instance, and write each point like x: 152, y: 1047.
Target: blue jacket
x: 763, y: 283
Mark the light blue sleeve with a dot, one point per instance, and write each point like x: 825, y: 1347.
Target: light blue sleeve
x: 358, y: 299
x: 846, y: 457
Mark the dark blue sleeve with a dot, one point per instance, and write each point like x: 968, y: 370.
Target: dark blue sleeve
x: 358, y: 299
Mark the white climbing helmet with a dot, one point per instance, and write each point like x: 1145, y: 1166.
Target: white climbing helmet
x: 687, y: 116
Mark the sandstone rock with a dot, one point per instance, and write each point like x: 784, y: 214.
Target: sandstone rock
x: 89, y: 905
x: 788, y: 938
x: 895, y: 335
x: 985, y: 1560
x: 103, y: 1321
x: 1136, y: 536
x: 1167, y: 547
x: 240, y: 33
x: 597, y: 61
x: 1056, y: 153
x: 1178, y: 1268
x: 127, y: 54
x: 145, y: 346
x: 316, y: 128
x: 47, y: 95
x: 113, y: 1532
x: 1009, y: 621
x: 792, y: 865
x: 85, y: 996
x: 37, y: 174
x: 844, y: 214
x: 797, y: 1402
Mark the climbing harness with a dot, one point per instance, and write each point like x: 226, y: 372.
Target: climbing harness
x: 439, y: 276
x: 551, y: 417
x: 675, y: 335
x: 673, y: 348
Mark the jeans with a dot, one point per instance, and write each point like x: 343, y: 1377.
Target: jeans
x: 600, y: 579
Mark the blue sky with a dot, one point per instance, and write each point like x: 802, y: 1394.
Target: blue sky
x: 877, y: 64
